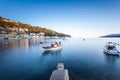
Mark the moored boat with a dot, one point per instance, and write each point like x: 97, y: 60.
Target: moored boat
x: 51, y: 48
x: 54, y: 46
x: 110, y: 48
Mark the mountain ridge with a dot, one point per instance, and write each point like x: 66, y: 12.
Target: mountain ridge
x: 112, y: 35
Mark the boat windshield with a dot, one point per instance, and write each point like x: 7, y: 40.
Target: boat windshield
x: 111, y: 45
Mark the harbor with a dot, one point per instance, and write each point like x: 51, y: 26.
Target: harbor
x: 59, y: 39
x: 85, y: 60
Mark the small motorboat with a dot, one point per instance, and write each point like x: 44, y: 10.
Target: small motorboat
x: 54, y: 46
x: 41, y: 42
x: 83, y: 39
x: 6, y: 38
x: 60, y: 73
x: 110, y: 48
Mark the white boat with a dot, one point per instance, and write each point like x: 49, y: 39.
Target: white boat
x: 110, y: 48
x: 60, y: 73
x: 52, y: 48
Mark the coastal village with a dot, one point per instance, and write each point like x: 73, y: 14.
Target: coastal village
x: 18, y: 30
x: 18, y: 33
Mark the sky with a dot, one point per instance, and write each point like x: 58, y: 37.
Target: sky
x: 79, y: 18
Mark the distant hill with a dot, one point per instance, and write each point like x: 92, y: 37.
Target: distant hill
x: 9, y: 24
x: 112, y: 35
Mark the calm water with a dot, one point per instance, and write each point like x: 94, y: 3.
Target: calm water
x: 85, y: 60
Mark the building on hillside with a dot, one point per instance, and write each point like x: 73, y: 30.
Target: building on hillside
x: 23, y: 30
x: 37, y: 34
x: 13, y: 31
x: 41, y: 34
x: 2, y: 30
x: 32, y: 34
x: 7, y: 20
x: 18, y: 31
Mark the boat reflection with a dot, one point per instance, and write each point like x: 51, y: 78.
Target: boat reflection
x: 52, y: 52
x: 53, y: 56
x: 111, y: 58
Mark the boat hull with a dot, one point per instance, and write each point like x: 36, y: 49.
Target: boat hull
x: 54, y: 48
x: 112, y: 52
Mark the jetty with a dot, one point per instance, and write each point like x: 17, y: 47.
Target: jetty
x: 60, y: 73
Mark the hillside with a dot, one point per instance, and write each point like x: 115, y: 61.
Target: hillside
x: 9, y: 24
x: 112, y: 35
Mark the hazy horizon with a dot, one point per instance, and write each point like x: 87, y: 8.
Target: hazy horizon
x: 79, y: 18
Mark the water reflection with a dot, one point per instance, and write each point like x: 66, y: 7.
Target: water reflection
x: 4, y: 43
x: 111, y: 58
x: 52, y: 52
x: 17, y: 43
x: 54, y: 55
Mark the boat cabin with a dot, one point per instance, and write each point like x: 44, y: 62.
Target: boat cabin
x: 110, y: 45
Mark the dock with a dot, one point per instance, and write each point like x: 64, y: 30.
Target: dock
x: 60, y: 73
